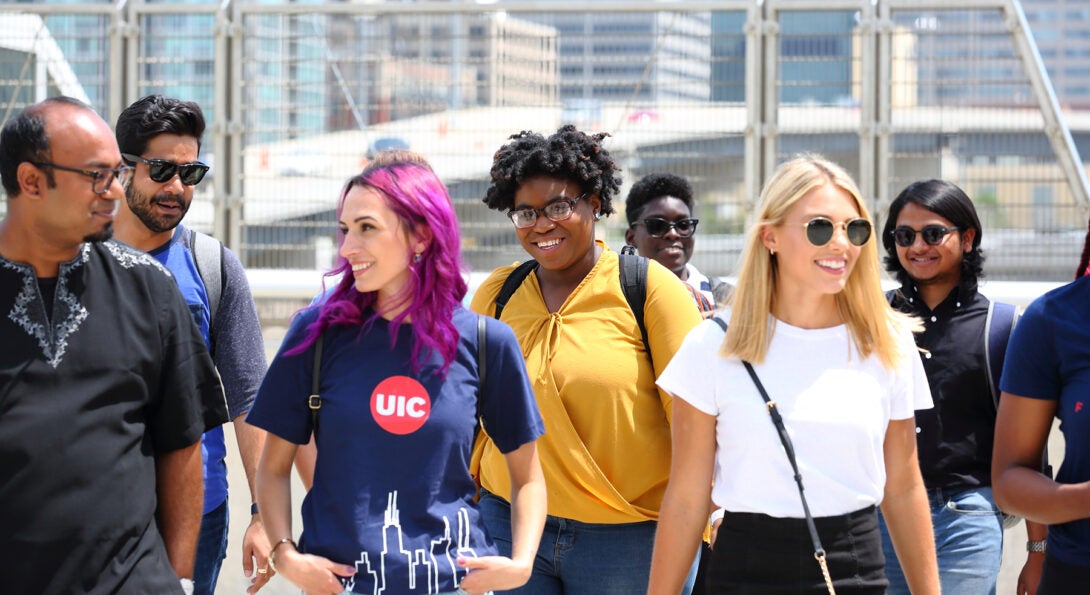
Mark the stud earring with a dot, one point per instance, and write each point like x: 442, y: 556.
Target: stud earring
x: 597, y: 216
x: 771, y: 252
x: 417, y: 258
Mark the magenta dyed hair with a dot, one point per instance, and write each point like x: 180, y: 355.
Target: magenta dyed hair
x: 436, y: 286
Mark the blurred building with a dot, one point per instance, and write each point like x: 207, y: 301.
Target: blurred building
x: 640, y: 56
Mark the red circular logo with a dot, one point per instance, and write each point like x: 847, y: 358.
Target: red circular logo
x: 400, y: 405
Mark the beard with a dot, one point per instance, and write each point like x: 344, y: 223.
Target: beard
x: 143, y: 207
x: 101, y: 236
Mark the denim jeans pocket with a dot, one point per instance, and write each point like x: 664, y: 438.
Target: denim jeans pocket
x: 973, y: 502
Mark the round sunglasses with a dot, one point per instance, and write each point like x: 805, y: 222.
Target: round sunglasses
x: 161, y: 170
x: 658, y: 227
x: 820, y: 230
x: 933, y: 235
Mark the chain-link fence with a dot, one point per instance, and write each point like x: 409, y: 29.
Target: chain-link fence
x: 300, y: 95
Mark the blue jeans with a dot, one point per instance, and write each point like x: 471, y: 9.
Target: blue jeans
x: 211, y: 550
x: 968, y: 540
x: 577, y: 558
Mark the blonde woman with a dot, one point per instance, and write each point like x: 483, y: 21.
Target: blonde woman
x: 841, y: 368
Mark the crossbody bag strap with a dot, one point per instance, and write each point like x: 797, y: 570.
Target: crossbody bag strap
x: 774, y: 413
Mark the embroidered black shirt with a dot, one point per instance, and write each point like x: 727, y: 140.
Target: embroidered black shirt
x: 88, y: 397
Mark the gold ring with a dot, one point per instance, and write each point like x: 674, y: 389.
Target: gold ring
x: 263, y: 571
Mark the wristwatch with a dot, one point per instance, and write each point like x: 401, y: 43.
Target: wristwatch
x: 253, y: 508
x: 1036, y: 546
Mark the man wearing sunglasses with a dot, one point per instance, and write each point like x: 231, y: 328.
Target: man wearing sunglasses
x: 161, y: 138
x: 105, y: 385
x: 932, y: 241
x: 659, y: 209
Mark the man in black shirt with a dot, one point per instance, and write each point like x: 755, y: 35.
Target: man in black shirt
x: 932, y: 240
x: 105, y: 383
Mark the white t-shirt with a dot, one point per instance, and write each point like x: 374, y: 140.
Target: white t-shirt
x: 835, y: 406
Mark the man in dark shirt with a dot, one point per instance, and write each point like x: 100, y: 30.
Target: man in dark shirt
x: 932, y: 241
x: 105, y: 383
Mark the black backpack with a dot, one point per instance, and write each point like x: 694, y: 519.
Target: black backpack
x: 633, y: 285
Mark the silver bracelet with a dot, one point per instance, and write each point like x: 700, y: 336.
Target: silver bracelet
x: 1037, y: 547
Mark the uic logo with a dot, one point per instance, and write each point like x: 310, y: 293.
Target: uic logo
x: 400, y: 405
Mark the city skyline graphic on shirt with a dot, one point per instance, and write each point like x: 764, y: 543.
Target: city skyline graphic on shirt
x: 423, y: 564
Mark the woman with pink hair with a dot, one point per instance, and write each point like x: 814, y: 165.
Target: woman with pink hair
x: 388, y: 374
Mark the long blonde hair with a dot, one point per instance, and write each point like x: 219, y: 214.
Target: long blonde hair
x: 874, y: 326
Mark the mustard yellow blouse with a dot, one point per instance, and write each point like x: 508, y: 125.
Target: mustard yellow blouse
x: 606, y: 448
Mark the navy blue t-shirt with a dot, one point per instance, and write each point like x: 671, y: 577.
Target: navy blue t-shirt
x: 1049, y: 358
x: 392, y: 492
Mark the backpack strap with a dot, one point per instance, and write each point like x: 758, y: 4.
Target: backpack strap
x: 314, y: 401
x: 208, y: 255
x: 482, y: 369
x: 512, y: 283
x: 634, y: 287
x: 998, y: 327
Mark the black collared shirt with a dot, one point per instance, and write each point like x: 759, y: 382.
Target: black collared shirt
x: 955, y: 437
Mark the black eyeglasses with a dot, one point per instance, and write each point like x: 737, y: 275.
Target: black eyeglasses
x: 558, y: 210
x: 161, y: 170
x: 100, y: 178
x: 933, y: 235
x: 658, y: 227
x: 819, y: 231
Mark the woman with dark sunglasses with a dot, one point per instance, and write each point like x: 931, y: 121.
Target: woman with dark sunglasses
x: 606, y: 451
x: 661, y: 226
x: 809, y: 322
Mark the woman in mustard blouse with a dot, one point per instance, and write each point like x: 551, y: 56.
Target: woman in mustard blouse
x: 606, y: 448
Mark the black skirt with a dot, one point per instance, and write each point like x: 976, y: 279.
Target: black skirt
x: 756, y: 553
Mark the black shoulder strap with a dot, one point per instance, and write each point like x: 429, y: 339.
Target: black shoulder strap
x: 482, y: 369
x: 998, y: 327
x: 789, y: 448
x: 720, y: 322
x: 512, y: 283
x: 634, y: 287
x: 314, y: 401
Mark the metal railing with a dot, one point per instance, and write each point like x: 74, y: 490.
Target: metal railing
x: 719, y: 91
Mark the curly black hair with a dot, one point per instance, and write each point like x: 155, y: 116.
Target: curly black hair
x: 569, y: 154
x: 656, y: 185
x: 949, y: 201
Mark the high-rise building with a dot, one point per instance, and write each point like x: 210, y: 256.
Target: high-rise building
x: 645, y: 57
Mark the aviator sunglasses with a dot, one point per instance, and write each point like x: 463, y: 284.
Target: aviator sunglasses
x: 161, y: 170
x: 819, y: 231
x: 658, y: 227
x: 933, y: 235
